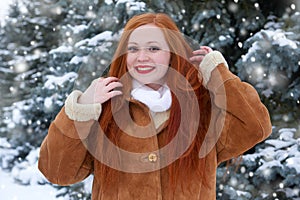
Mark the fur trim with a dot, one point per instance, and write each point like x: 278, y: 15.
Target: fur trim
x: 209, y: 63
x: 81, y: 112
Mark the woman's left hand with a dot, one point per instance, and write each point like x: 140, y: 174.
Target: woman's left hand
x: 199, y: 54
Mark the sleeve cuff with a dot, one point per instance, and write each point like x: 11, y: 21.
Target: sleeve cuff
x: 209, y: 63
x: 81, y: 112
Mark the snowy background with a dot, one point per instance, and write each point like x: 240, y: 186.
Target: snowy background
x: 48, y: 48
x: 4, y: 4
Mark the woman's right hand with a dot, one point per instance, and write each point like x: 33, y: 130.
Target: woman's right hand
x: 101, y: 90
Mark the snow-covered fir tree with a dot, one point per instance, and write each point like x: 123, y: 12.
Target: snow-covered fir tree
x: 272, y: 65
x: 51, y: 47
x: 272, y: 172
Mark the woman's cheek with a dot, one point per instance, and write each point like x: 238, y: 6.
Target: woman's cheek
x: 129, y: 62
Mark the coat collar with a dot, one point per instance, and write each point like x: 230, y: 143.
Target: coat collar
x: 159, y: 119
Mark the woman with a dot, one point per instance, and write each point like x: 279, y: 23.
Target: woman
x: 161, y: 122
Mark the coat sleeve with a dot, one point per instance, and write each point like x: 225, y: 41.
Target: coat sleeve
x: 64, y: 158
x: 239, y: 118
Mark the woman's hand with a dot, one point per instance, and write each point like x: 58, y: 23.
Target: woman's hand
x: 101, y: 90
x: 199, y: 54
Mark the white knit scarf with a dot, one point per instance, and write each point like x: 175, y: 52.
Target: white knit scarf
x: 157, y: 100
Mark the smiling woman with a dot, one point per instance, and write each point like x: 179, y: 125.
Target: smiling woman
x: 140, y: 131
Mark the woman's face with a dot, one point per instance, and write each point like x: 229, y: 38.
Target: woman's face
x: 148, y: 55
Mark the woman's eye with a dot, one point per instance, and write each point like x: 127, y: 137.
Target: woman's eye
x: 132, y: 49
x: 153, y: 49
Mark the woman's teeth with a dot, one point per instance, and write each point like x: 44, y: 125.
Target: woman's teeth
x: 144, y: 68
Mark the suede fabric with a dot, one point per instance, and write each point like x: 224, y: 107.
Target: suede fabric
x: 239, y: 121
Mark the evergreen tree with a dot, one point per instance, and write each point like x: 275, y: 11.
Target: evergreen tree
x: 272, y: 66
x: 28, y: 36
x: 271, y: 173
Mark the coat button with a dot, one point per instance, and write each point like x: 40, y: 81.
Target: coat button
x: 152, y: 157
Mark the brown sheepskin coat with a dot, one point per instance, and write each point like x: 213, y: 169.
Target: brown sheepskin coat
x: 242, y: 121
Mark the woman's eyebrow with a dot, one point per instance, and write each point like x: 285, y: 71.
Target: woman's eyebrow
x: 150, y: 42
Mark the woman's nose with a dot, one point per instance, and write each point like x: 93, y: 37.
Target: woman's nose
x: 142, y: 55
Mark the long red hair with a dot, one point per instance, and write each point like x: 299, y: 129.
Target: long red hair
x: 189, y: 163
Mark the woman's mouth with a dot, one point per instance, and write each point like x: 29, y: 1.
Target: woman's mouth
x: 144, y: 69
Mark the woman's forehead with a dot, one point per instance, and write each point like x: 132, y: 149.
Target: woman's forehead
x: 147, y: 33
